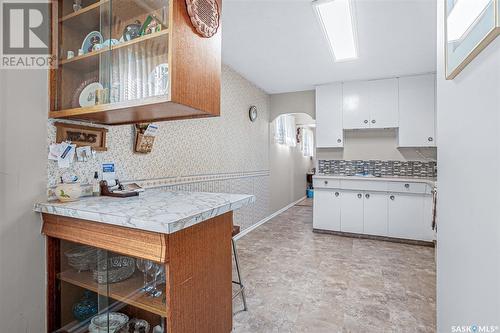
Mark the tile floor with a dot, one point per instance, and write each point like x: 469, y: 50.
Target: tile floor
x: 300, y: 281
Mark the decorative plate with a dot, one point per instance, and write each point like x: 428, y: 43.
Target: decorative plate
x: 204, y: 16
x: 87, y: 95
x: 158, y: 80
x: 90, y: 40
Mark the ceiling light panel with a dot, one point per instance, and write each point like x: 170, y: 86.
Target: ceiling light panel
x: 338, y: 24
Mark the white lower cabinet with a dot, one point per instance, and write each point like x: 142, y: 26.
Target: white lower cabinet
x: 406, y: 216
x: 351, y: 212
x: 375, y: 213
x: 354, y: 207
x: 326, y: 210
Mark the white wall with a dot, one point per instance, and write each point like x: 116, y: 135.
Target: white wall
x: 294, y: 102
x: 288, y: 175
x: 377, y: 144
x: 468, y: 247
x: 23, y: 176
x: 288, y: 168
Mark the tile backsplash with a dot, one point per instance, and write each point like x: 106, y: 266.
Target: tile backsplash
x: 378, y: 168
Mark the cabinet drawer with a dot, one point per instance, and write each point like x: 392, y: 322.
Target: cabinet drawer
x: 364, y: 185
x: 326, y: 183
x: 408, y: 187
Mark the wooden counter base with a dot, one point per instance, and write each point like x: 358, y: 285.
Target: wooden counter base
x: 197, y: 261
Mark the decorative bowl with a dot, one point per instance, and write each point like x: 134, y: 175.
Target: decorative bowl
x: 114, y: 269
x: 67, y: 192
x: 82, y: 257
x: 137, y: 323
x: 109, y: 322
x: 86, y: 307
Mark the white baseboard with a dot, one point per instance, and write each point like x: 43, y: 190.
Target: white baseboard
x: 264, y: 220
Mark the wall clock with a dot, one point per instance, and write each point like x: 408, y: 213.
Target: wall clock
x: 252, y: 113
x: 204, y: 16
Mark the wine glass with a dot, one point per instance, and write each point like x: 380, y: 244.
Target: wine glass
x: 158, y: 270
x: 144, y: 266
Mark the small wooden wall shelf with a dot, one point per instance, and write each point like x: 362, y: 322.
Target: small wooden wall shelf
x: 129, y: 71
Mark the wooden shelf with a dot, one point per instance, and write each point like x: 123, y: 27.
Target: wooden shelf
x: 89, y: 16
x: 90, y: 59
x: 82, y: 12
x: 127, y: 291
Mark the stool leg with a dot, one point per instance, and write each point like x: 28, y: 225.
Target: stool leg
x: 240, y: 283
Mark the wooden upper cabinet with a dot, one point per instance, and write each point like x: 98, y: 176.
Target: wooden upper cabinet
x: 163, y: 70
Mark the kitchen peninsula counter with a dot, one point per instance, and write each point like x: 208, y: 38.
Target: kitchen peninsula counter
x: 188, y: 233
x: 154, y: 210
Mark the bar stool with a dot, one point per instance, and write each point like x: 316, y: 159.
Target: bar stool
x: 241, y: 289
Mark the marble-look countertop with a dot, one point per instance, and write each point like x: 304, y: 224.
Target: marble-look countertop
x: 430, y: 181
x: 154, y: 210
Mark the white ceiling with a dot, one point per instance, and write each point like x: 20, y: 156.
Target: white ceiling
x: 279, y: 45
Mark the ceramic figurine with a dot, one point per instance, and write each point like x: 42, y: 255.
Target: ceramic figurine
x: 95, y: 40
x: 77, y: 5
x: 132, y: 31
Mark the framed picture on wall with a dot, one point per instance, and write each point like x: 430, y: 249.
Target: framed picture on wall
x: 470, y: 25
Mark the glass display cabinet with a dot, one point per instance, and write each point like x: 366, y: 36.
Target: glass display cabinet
x: 129, y: 61
x: 101, y: 291
x: 104, y: 277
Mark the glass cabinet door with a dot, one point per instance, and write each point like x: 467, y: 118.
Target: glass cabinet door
x: 110, y: 52
x: 101, y: 291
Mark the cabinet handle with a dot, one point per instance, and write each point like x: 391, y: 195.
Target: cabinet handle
x: 407, y: 185
x: 392, y: 197
x: 374, y: 121
x: 326, y: 182
x: 430, y: 139
x: 367, y: 196
x: 360, y: 195
x: 339, y: 140
x: 366, y: 121
x: 337, y: 194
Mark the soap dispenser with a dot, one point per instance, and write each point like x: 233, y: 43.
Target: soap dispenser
x: 96, y: 188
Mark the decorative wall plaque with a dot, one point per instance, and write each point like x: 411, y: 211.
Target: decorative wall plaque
x: 94, y: 137
x: 143, y: 143
x: 204, y: 16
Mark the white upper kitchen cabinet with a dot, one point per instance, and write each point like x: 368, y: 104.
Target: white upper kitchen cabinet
x: 370, y: 104
x: 384, y: 103
x: 326, y: 210
x: 351, y: 214
x: 356, y: 101
x: 417, y: 111
x: 329, y: 130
